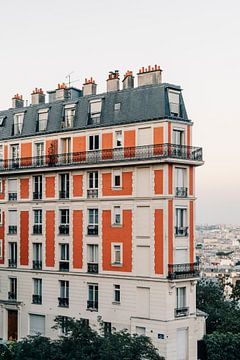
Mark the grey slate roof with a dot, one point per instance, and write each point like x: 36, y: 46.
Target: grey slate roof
x: 137, y: 105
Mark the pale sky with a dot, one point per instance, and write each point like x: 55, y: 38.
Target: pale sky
x: 195, y: 42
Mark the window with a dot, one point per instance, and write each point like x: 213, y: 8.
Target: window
x: 1, y: 156
x: 64, y: 186
x: 116, y: 293
x: 92, y: 191
x: 92, y: 253
x: 181, y: 309
x: 173, y: 97
x: 117, y: 215
x: 107, y: 327
x: 12, y: 189
x: 116, y: 254
x: 37, y: 187
x: 37, y: 256
x: 2, y: 118
x: 64, y: 221
x: 63, y: 300
x: 69, y: 114
x: 37, y: 221
x: 1, y: 248
x: 12, y: 294
x: 1, y: 217
x: 95, y: 108
x: 117, y: 178
x: 66, y: 150
x: 12, y: 218
x: 118, y: 138
x: 42, y: 120
x: 141, y: 330
x: 92, y: 221
x: 117, y: 106
x: 180, y: 222
x: 180, y: 179
x: 64, y: 257
x: 18, y: 123
x: 12, y: 254
x: 36, y: 324
x: 64, y: 323
x: 1, y: 185
x: 39, y: 153
x: 178, y: 137
x: 37, y: 291
x: 93, y: 143
x: 92, y: 302
x: 14, y: 150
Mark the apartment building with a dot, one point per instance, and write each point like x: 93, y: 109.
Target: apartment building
x: 97, y: 199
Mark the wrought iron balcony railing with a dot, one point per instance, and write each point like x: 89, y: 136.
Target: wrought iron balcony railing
x: 12, y: 263
x: 181, y: 192
x: 92, y: 305
x: 63, y: 265
x: 180, y: 312
x: 63, y: 302
x: 183, y: 271
x: 37, y: 264
x: 64, y: 194
x: 12, y: 229
x: 181, y: 230
x: 92, y: 268
x: 12, y: 295
x: 92, y: 193
x: 92, y: 230
x: 12, y: 196
x: 37, y: 299
x: 146, y: 152
x: 37, y: 195
x: 64, y: 229
x: 37, y: 229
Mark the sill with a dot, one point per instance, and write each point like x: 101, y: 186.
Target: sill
x: 92, y: 309
x: 33, y: 303
x: 117, y: 187
x: 116, y: 303
x: 117, y: 264
x: 117, y: 225
x: 181, y: 236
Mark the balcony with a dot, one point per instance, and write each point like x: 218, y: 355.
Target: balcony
x: 181, y: 312
x: 37, y: 195
x: 92, y: 230
x: 63, y: 265
x: 64, y: 194
x: 138, y: 153
x: 92, y: 268
x: 181, y: 231
x: 37, y: 299
x: 12, y: 295
x: 64, y: 229
x: 92, y: 305
x: 37, y: 265
x: 12, y: 229
x: 37, y: 229
x: 181, y: 192
x: 63, y: 302
x: 92, y: 193
x: 12, y: 263
x: 183, y: 271
x: 12, y: 196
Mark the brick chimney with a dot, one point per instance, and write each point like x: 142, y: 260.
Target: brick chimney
x: 17, y: 101
x: 89, y: 87
x: 38, y: 97
x: 128, y: 81
x: 149, y: 75
x: 113, y: 81
x: 61, y: 92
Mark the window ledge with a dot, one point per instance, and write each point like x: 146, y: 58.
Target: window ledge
x: 117, y: 225
x: 116, y: 303
x: 116, y: 264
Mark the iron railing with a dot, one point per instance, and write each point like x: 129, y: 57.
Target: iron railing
x: 181, y: 230
x: 92, y: 268
x: 92, y: 304
x: 12, y: 229
x: 64, y: 194
x: 146, y: 152
x: 64, y: 229
x: 37, y: 195
x: 12, y: 295
x: 37, y: 264
x: 37, y: 299
x: 92, y: 230
x: 63, y: 265
x: 37, y: 229
x: 181, y: 192
x: 92, y: 193
x: 183, y: 271
x: 181, y: 311
x: 12, y: 196
x: 12, y: 263
x: 63, y: 302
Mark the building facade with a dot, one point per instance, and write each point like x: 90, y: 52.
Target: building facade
x: 97, y: 199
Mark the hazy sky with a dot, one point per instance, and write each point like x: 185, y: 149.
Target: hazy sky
x: 197, y: 43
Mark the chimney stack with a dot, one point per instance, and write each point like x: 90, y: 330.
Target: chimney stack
x: 150, y: 76
x: 128, y: 81
x: 61, y: 92
x: 17, y: 101
x: 38, y: 97
x: 89, y: 87
x: 113, y: 81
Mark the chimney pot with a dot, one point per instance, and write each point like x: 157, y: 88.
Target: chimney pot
x: 113, y: 81
x: 38, y: 97
x: 17, y: 101
x: 89, y: 87
x: 150, y: 76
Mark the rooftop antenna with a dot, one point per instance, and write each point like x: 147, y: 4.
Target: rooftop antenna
x: 68, y: 77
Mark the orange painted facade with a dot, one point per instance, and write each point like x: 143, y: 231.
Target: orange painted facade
x: 170, y: 232
x: 5, y: 155
x: 170, y: 179
x: 107, y: 146
x: 26, y: 154
x: 191, y: 232
x: 158, y: 139
x: 50, y: 238
x: 24, y: 237
x: 159, y: 241
x: 79, y: 148
x: 129, y: 143
x: 2, y: 238
x: 77, y: 185
x: 77, y: 239
x: 191, y: 171
x: 51, y: 151
x: 2, y: 194
x: 120, y: 234
x: 126, y: 188
x: 24, y: 188
x: 158, y: 182
x: 50, y: 186
x: 189, y: 135
x: 169, y: 133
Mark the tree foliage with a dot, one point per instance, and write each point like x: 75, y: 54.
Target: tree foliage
x: 223, y: 346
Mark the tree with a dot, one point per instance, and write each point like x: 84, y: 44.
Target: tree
x: 222, y: 346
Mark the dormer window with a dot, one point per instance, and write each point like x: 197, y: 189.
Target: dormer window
x: 117, y: 107
x: 68, y: 116
x: 95, y: 108
x: 18, y: 123
x: 174, y: 102
x: 42, y: 120
x: 2, y: 118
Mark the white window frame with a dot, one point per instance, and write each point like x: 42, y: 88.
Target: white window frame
x: 95, y: 114
x: 183, y: 136
x: 93, y: 253
x: 64, y: 290
x: 1, y: 217
x: 1, y: 153
x: 117, y: 106
x: 114, y: 251
x: 114, y: 174
x: 174, y: 105
x: 116, y: 289
x: 40, y: 121
x: 95, y: 175
x: 37, y: 286
x: 99, y: 144
x: 64, y: 252
x: 116, y: 210
x: 94, y: 216
x: 69, y: 119
x: 2, y: 118
x: 18, y: 124
x: 37, y: 251
x: 116, y: 139
x: 67, y: 216
x: 181, y: 297
x: 185, y: 216
x: 1, y: 248
x: 184, y: 175
x: 1, y: 185
x: 38, y: 217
